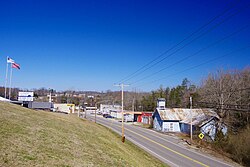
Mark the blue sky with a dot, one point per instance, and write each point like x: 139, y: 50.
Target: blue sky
x: 90, y: 45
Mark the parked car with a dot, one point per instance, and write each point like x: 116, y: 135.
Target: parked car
x: 107, y: 116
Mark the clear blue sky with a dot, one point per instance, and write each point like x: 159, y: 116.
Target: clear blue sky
x: 90, y: 45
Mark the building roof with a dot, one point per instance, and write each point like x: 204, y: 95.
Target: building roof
x: 184, y: 115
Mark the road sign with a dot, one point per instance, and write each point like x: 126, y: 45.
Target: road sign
x: 201, y: 135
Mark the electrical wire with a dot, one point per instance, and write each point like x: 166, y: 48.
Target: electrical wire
x: 238, y: 90
x: 226, y: 106
x: 236, y: 105
x: 196, y: 66
x: 192, y: 34
x: 192, y: 55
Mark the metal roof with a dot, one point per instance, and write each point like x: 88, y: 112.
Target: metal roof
x: 184, y: 115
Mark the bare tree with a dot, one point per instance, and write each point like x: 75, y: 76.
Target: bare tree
x: 228, y: 92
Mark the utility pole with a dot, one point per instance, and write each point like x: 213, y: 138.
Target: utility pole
x: 133, y: 104
x: 122, y: 87
x: 133, y: 108
x: 191, y: 124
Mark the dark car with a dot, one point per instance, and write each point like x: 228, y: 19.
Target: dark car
x: 107, y: 116
x: 104, y: 115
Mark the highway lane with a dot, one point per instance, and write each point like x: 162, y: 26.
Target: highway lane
x: 165, y: 148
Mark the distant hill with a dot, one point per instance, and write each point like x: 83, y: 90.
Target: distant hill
x: 39, y: 138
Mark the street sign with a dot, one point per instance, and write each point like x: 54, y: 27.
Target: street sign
x: 201, y: 135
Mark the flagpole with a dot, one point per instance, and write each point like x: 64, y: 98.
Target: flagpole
x: 10, y: 81
x: 6, y: 79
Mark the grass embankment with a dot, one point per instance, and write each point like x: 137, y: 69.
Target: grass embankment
x: 38, y: 138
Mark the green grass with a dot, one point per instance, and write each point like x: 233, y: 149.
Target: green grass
x: 39, y: 138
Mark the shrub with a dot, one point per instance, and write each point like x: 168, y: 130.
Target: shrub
x: 238, y: 146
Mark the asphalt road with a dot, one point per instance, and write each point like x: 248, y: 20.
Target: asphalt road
x: 166, y: 148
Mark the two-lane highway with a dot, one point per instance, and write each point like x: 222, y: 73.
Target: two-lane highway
x: 165, y: 148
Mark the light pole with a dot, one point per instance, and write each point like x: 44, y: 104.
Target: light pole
x: 122, y: 87
x: 50, y: 91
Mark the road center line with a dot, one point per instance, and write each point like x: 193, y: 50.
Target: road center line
x: 198, y: 162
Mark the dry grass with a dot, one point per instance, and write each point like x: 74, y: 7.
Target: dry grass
x: 38, y: 138
x: 239, y: 148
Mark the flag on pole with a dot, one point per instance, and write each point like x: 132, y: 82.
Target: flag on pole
x: 15, y: 65
x: 9, y: 60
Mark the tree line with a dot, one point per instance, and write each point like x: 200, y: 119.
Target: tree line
x: 226, y: 91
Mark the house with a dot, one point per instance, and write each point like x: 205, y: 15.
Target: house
x: 199, y: 117
x: 165, y: 120
x: 179, y: 120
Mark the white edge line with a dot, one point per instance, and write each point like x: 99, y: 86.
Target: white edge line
x: 209, y: 157
x: 147, y: 131
x: 150, y: 151
x: 145, y: 148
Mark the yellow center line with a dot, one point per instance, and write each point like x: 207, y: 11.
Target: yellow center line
x: 191, y: 159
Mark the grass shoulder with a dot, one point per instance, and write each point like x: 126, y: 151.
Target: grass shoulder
x: 39, y: 138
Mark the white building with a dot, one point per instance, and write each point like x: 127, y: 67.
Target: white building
x: 106, y: 109
x: 65, y: 108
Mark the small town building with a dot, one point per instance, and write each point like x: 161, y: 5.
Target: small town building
x: 204, y: 120
x: 147, y: 117
x: 165, y: 120
x: 65, y: 108
x: 106, y: 108
x: 116, y: 114
x: 144, y: 117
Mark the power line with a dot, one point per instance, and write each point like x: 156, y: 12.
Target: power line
x: 196, y: 66
x: 235, y: 105
x: 196, y: 53
x: 189, y: 36
x: 227, y: 106
x: 204, y: 33
x: 238, y: 90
